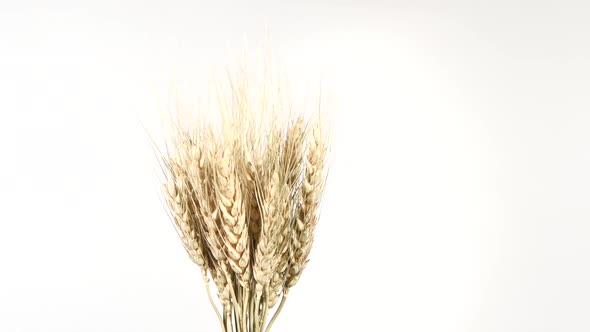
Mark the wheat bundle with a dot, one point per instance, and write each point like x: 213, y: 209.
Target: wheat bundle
x: 244, y: 195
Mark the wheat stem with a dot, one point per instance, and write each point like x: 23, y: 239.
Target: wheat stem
x: 278, y: 311
x: 236, y: 326
x: 212, y: 302
x: 264, y: 310
x: 245, y: 294
x: 256, y: 313
x: 253, y: 311
x: 227, y: 329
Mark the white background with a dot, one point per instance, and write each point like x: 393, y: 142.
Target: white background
x: 460, y: 186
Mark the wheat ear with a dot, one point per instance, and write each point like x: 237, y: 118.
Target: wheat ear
x: 310, y: 199
x: 233, y: 217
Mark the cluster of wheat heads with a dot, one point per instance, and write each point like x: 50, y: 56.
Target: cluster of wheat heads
x: 244, y: 195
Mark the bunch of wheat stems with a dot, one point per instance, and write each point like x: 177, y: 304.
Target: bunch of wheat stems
x: 244, y: 195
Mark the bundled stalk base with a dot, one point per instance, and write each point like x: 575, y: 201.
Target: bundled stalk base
x: 244, y: 194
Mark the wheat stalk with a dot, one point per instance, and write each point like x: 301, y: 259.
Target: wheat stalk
x: 245, y: 196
